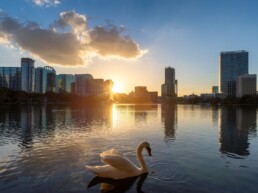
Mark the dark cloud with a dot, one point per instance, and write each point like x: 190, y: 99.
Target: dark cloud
x: 68, y: 41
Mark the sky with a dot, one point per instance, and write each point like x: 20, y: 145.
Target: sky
x: 130, y: 41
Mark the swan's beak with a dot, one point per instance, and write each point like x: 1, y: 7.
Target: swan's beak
x: 149, y: 150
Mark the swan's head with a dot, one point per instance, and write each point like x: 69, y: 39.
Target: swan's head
x: 146, y: 145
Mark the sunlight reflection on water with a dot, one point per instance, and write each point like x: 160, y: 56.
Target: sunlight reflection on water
x: 195, y: 148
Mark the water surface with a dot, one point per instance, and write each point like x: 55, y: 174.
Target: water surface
x: 195, y: 148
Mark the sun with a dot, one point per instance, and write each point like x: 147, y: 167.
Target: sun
x: 117, y: 87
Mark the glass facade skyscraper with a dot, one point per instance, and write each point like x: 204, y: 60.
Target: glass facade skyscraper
x: 45, y: 79
x: 170, y: 86
x: 50, y: 75
x: 39, y: 80
x: 169, y: 75
x: 27, y: 74
x: 64, y: 82
x: 231, y: 65
x: 10, y: 77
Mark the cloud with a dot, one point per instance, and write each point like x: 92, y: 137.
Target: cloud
x: 3, y: 39
x: 72, y: 19
x: 107, y: 41
x: 68, y: 41
x: 46, y: 3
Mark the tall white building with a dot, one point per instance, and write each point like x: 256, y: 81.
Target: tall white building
x: 27, y: 75
x: 246, y: 85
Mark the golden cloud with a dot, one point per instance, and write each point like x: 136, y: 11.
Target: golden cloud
x: 68, y: 41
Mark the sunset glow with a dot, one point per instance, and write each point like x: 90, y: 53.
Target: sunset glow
x: 118, y: 46
x: 128, y: 96
x: 117, y: 88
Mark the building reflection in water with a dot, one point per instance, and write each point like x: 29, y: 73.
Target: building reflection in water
x: 143, y: 112
x: 32, y: 123
x: 169, y: 119
x: 237, y: 125
x: 21, y: 121
x: 27, y: 125
x: 28, y: 122
x: 215, y: 115
x: 93, y: 117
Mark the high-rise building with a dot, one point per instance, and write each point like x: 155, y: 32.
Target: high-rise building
x: 64, y: 82
x: 81, y: 84
x: 86, y: 85
x: 170, y: 86
x: 27, y: 75
x: 246, y: 85
x: 45, y: 79
x: 231, y: 65
x: 59, y: 83
x: 95, y: 87
x: 10, y: 77
x: 170, y: 80
x: 73, y: 88
x: 39, y: 80
x: 49, y: 74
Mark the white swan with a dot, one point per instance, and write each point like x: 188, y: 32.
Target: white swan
x: 118, y: 166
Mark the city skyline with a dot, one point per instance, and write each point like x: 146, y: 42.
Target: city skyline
x: 166, y: 34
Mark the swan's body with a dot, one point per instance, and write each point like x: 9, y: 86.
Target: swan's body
x: 118, y: 166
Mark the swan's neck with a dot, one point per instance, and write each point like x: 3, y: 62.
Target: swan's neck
x: 143, y: 168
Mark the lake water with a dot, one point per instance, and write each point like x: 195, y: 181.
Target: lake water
x: 194, y: 148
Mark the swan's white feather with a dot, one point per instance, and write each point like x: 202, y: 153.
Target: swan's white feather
x: 108, y: 171
x: 99, y: 170
x: 118, y: 166
x: 120, y: 162
x: 110, y: 152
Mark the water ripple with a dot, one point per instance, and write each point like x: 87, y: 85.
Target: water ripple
x: 45, y: 150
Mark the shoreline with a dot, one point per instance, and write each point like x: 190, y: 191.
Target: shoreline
x: 110, y: 103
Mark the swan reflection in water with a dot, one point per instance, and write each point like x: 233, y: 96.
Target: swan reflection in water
x: 108, y: 185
